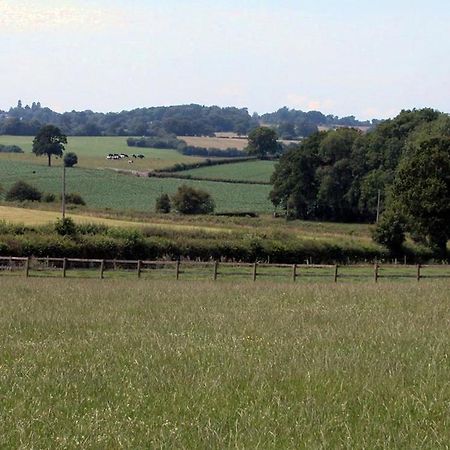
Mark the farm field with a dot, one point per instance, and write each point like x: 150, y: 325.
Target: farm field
x: 37, y: 217
x: 92, y: 153
x: 107, y: 189
x: 221, y: 143
x: 186, y: 365
x: 247, y: 171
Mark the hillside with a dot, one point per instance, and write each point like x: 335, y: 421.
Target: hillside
x: 181, y: 120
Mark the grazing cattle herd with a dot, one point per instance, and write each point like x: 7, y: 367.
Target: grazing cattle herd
x: 118, y: 156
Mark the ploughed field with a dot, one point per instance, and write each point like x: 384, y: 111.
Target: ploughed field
x: 133, y: 364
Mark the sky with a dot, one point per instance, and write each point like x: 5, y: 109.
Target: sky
x: 370, y: 59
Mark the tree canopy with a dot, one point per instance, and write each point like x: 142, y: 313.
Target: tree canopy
x: 49, y: 141
x: 421, y: 191
x: 336, y: 175
x: 181, y: 120
x: 262, y: 141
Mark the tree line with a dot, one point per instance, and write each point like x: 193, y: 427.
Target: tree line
x: 343, y: 175
x: 182, y: 120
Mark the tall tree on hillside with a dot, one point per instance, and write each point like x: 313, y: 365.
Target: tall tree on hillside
x: 49, y: 141
x: 262, y: 141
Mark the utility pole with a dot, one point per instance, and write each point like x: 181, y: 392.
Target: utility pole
x: 63, y: 195
x: 378, y: 205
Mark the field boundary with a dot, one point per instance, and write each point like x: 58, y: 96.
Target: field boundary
x: 180, y: 176
x: 98, y: 268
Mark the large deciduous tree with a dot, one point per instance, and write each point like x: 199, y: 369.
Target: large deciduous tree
x: 421, y: 191
x: 262, y: 141
x: 49, y: 141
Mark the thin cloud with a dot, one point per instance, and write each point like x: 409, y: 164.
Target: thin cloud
x: 33, y: 15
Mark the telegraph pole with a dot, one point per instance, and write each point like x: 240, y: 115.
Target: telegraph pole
x: 63, y: 195
x: 378, y: 205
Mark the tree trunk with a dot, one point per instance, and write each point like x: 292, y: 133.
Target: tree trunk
x: 49, y: 159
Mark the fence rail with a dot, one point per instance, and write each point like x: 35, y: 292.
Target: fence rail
x: 214, y: 270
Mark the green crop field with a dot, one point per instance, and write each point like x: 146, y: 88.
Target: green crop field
x: 107, y: 189
x: 129, y: 364
x: 247, y: 171
x: 92, y: 152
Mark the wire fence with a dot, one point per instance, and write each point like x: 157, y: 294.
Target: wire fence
x: 214, y: 270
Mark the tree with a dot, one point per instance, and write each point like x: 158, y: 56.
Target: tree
x: 262, y: 141
x: 49, y: 141
x: 390, y: 232
x: 22, y: 192
x: 70, y: 159
x: 421, y: 191
x: 188, y: 200
x: 163, y: 204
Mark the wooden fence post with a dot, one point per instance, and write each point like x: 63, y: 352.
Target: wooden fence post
x: 102, y: 268
x: 139, y: 263
x: 216, y: 268
x: 375, y: 273
x: 64, y: 268
x: 254, y: 271
x: 418, y: 272
x: 177, y: 270
x: 27, y: 267
x: 336, y: 273
x: 294, y: 272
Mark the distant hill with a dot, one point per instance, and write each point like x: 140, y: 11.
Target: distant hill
x: 181, y: 120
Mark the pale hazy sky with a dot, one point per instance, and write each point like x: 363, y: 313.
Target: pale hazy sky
x: 368, y: 58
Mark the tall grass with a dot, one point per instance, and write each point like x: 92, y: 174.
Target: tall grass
x: 183, y: 365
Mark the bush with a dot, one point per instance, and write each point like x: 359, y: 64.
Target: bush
x: 70, y: 159
x: 188, y: 200
x: 65, y: 227
x: 75, y: 199
x: 390, y: 232
x: 48, y: 197
x: 10, y: 149
x: 163, y: 204
x: 22, y: 192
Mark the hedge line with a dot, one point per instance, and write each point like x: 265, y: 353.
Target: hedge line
x: 181, y: 176
x: 208, y: 162
x: 249, y: 250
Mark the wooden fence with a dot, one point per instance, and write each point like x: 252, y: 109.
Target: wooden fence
x: 214, y: 270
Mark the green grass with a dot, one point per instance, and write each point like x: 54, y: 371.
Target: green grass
x: 106, y: 189
x: 126, y: 364
x: 92, y: 152
x: 248, y: 171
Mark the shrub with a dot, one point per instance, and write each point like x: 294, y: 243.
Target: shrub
x: 22, y: 192
x: 75, y: 199
x: 65, y: 227
x: 10, y: 149
x: 70, y: 159
x: 390, y: 232
x: 163, y: 204
x: 48, y: 197
x: 188, y: 200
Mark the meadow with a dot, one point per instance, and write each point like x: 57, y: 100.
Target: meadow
x: 107, y: 189
x: 92, y: 152
x: 246, y: 171
x: 126, y: 364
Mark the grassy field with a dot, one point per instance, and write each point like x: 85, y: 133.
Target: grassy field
x: 92, y: 153
x: 106, y: 189
x: 248, y: 171
x: 121, y: 364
